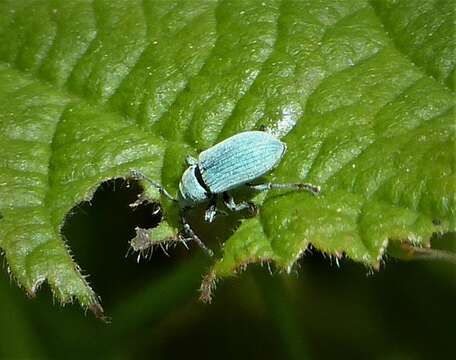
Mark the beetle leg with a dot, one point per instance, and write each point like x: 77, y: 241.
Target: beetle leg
x: 212, y: 212
x: 140, y: 176
x: 191, y: 235
x: 230, y: 204
x: 299, y: 186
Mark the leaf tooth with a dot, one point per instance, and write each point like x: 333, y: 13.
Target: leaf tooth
x: 36, y: 286
x: 382, y: 249
x: 208, y: 286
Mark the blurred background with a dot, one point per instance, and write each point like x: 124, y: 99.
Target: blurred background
x: 321, y: 311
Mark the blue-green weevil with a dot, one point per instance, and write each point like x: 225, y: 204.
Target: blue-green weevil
x: 232, y: 163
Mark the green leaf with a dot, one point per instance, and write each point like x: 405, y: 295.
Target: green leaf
x: 361, y: 93
x: 424, y: 31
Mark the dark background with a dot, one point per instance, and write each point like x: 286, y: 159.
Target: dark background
x: 322, y: 311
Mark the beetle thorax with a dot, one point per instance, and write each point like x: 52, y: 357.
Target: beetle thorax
x: 191, y: 189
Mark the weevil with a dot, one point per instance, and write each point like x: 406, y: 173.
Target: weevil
x: 230, y: 164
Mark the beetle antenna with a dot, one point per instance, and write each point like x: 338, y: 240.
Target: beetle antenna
x: 141, y: 176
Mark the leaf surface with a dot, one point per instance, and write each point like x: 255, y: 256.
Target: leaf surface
x: 360, y: 91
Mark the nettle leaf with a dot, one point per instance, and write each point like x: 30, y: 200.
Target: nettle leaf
x: 360, y: 91
x: 424, y: 31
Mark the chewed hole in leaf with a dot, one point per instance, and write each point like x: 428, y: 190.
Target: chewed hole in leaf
x: 104, y: 226
x: 112, y: 201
